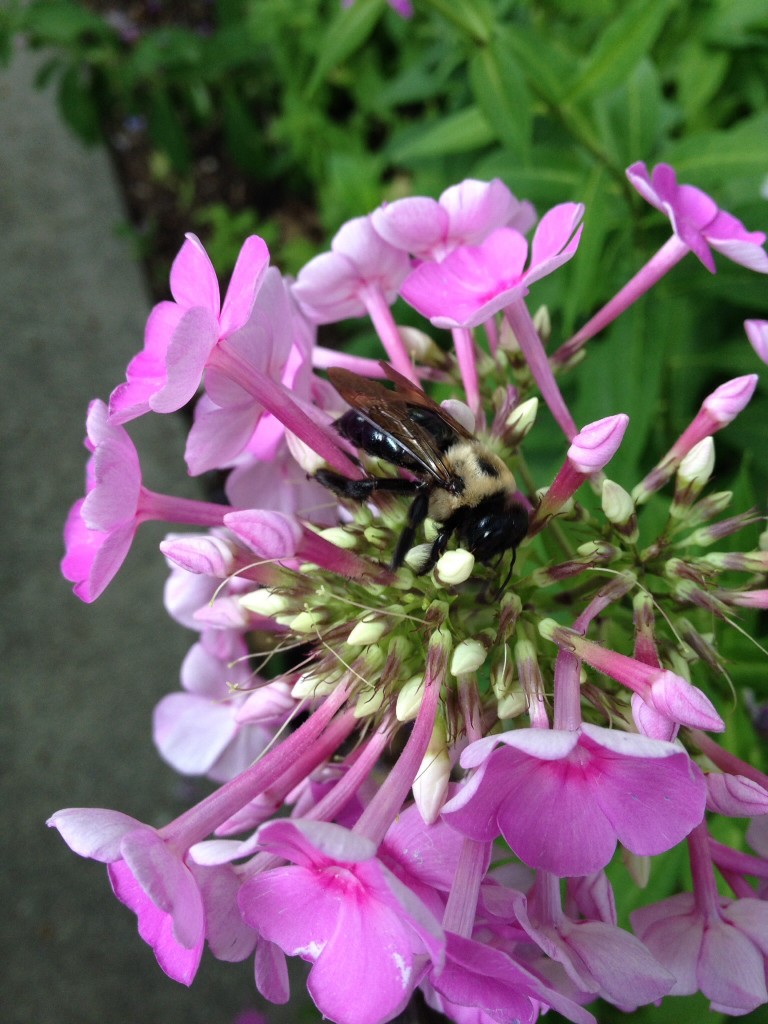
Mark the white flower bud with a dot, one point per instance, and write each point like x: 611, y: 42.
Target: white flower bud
x: 617, y: 503
x: 454, y: 567
x: 468, y: 656
x: 309, y: 685
x: 543, y: 323
x: 512, y: 705
x: 430, y: 786
x: 409, y: 699
x: 306, y: 622
x: 369, y: 630
x: 339, y: 536
x: 696, y: 468
x: 265, y: 602
x: 419, y: 344
x: 368, y: 701
x: 522, y: 418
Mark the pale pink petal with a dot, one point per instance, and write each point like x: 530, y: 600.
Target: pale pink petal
x: 556, y: 239
x: 93, y: 831
x: 188, y: 352
x: 191, y: 732
x: 248, y: 273
x: 269, y: 534
x: 271, y: 972
x: 193, y: 279
x: 476, y: 208
x: 735, y: 796
x: 416, y: 224
x: 757, y: 332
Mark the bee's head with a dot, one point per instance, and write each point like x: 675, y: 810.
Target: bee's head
x: 496, y: 532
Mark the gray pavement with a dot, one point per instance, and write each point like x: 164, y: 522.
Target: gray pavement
x: 78, y: 682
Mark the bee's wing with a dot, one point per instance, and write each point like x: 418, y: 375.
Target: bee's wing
x: 413, y: 395
x: 388, y: 410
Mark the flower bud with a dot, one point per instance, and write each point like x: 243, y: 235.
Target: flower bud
x: 430, y: 787
x: 369, y: 630
x: 369, y: 700
x: 420, y: 346
x: 265, y: 602
x: 306, y: 622
x: 454, y: 567
x: 512, y: 705
x: 726, y: 402
x: 542, y: 321
x: 340, y: 537
x: 409, y: 698
x: 595, y: 445
x: 692, y: 476
x: 467, y: 657
x: 309, y: 685
x: 521, y: 420
x: 461, y: 412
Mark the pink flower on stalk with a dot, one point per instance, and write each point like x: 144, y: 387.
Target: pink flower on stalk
x: 100, y: 527
x: 199, y: 731
x: 697, y: 220
x: 181, y: 335
x: 474, y: 282
x: 590, y: 451
x: 149, y: 877
x: 464, y: 214
x: 718, y: 950
x: 368, y: 937
x: 563, y: 799
x: 360, y: 275
x: 477, y: 977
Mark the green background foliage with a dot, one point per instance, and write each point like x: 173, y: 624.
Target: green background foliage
x: 329, y: 111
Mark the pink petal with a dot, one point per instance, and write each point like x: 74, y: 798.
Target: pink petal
x: 735, y: 796
x: 269, y: 534
x: 596, y: 444
x: 167, y: 882
x: 757, y: 332
x: 731, y: 972
x: 554, y: 241
x: 93, y: 832
x: 248, y: 273
x: 156, y: 927
x: 415, y: 225
x: 188, y: 351
x: 191, y: 732
x: 476, y: 208
x: 271, y: 972
x: 193, y: 279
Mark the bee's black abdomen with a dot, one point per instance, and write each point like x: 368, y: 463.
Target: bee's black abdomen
x: 363, y: 434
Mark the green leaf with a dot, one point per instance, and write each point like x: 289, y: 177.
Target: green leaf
x: 473, y: 17
x: 63, y: 23
x: 167, y: 131
x: 501, y: 94
x: 346, y: 33
x: 78, y: 106
x: 708, y: 158
x: 626, y: 40
x: 457, y: 133
x: 548, y: 68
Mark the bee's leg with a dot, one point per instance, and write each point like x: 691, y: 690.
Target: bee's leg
x: 438, y: 549
x: 361, y: 490
x: 417, y: 513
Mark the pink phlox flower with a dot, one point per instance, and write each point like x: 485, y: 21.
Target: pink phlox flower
x: 591, y: 897
x: 181, y: 335
x: 424, y: 857
x: 199, y: 731
x: 335, y: 285
x: 147, y: 876
x: 563, y: 799
x: 473, y: 283
x: 484, y: 985
x: 600, y: 958
x: 284, y: 485
x: 224, y: 425
x: 199, y: 601
x: 367, y: 936
x: 697, y: 220
x: 464, y: 214
x: 100, y: 528
x: 721, y: 953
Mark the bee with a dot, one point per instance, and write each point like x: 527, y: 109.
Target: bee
x: 454, y: 479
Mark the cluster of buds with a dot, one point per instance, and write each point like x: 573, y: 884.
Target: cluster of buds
x: 423, y: 776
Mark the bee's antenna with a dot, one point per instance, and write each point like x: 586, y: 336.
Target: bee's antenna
x: 503, y: 586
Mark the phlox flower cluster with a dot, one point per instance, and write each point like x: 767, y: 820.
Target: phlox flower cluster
x: 422, y: 777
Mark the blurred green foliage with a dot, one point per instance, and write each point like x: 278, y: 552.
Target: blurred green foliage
x: 338, y: 109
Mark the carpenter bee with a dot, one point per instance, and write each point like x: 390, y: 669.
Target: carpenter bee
x: 455, y: 479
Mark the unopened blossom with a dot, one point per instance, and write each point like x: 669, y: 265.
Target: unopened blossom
x: 717, y: 410
x: 589, y: 452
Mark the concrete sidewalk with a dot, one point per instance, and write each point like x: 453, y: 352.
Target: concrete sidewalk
x: 79, y: 683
